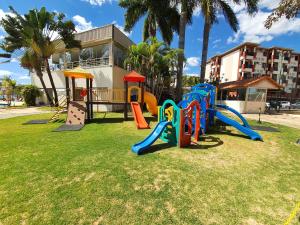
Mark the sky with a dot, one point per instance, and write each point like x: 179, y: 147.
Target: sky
x: 87, y: 14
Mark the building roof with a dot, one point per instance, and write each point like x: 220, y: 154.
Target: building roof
x: 133, y: 76
x: 249, y: 83
x: 78, y: 72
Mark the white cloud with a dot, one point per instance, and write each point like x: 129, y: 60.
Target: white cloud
x: 235, y: 38
x: 197, y: 11
x: 81, y: 24
x: 217, y: 41
x: 121, y: 28
x: 24, y: 77
x: 1, y: 37
x: 192, y: 74
x: 252, y: 27
x: 193, y: 61
x: 5, y: 73
x: 98, y: 2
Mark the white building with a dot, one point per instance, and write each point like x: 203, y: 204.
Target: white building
x: 249, y: 60
x: 102, y: 54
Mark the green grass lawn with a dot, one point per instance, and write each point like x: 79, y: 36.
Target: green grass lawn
x: 92, y: 177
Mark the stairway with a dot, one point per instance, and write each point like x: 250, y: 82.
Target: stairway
x: 62, y: 107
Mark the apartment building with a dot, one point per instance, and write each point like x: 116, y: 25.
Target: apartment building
x: 102, y: 54
x: 250, y: 60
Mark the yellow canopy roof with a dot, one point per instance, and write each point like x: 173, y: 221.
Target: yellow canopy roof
x: 78, y: 72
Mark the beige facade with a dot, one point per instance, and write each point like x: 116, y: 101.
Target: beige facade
x: 102, y: 54
x: 249, y: 60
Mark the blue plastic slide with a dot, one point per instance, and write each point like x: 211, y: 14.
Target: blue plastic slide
x: 148, y: 141
x: 246, y: 130
x: 245, y: 122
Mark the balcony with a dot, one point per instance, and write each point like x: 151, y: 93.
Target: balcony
x: 89, y: 63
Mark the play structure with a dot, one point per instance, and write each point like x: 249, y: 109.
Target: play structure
x: 190, y: 118
x: 80, y: 105
x: 137, y: 96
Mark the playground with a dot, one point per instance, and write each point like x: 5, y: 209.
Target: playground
x: 92, y: 175
x: 140, y: 167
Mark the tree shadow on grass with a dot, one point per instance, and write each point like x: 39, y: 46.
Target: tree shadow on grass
x: 206, y: 142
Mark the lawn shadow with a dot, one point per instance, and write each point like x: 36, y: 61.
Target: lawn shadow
x: 206, y: 142
x: 156, y: 148
x: 109, y: 120
x: 221, y: 128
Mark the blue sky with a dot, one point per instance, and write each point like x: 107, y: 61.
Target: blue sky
x: 87, y: 14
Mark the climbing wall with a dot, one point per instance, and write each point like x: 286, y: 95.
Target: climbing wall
x: 76, y: 113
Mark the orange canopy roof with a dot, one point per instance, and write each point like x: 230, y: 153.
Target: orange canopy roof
x: 78, y: 72
x: 133, y: 76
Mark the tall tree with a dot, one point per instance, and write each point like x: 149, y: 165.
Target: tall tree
x: 8, y: 85
x: 159, y: 15
x: 287, y: 8
x: 31, y: 61
x: 210, y: 10
x: 155, y: 60
x: 186, y: 8
x: 43, y: 32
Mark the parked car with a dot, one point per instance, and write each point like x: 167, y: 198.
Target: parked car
x: 285, y: 104
x: 295, y: 105
x: 276, y: 105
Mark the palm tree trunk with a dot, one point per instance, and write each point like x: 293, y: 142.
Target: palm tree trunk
x: 40, y: 76
x: 206, y: 31
x: 51, y: 82
x: 181, y: 45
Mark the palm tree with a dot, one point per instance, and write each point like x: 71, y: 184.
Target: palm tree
x: 43, y: 32
x: 159, y: 15
x: 210, y: 9
x: 186, y: 13
x: 153, y: 59
x: 31, y: 61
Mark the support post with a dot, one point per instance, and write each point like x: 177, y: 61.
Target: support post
x: 73, y: 89
x: 142, y: 97
x: 88, y: 100
x: 126, y: 100
x: 91, y: 98
x: 67, y: 90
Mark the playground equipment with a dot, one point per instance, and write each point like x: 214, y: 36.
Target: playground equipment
x: 137, y: 96
x: 190, y: 118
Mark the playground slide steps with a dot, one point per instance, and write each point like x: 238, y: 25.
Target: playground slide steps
x: 246, y: 130
x: 152, y: 137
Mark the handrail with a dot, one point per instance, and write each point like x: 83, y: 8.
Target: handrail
x: 89, y: 63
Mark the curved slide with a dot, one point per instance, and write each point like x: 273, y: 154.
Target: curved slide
x: 151, y: 102
x: 148, y: 141
x: 246, y: 124
x: 138, y: 116
x: 246, y: 130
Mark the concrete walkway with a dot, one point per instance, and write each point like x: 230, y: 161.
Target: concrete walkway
x: 290, y: 120
x: 9, y: 113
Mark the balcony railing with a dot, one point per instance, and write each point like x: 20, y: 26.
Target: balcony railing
x: 89, y: 63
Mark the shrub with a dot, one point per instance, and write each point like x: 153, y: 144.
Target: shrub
x: 30, y: 93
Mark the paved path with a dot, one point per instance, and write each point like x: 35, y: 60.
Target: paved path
x: 9, y: 113
x: 290, y: 120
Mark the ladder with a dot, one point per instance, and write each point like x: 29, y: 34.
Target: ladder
x: 62, y: 107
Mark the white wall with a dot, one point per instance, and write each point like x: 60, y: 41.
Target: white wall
x: 229, y: 66
x: 207, y: 71
x: 243, y: 106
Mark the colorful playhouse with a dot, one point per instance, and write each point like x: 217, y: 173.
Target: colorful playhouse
x: 191, y: 117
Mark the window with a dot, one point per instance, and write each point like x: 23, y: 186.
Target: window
x: 265, y: 53
x: 296, y: 58
x: 86, y: 53
x: 257, y: 94
x: 295, y: 69
x: 119, y: 56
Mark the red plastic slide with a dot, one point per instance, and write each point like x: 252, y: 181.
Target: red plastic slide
x: 138, y: 116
